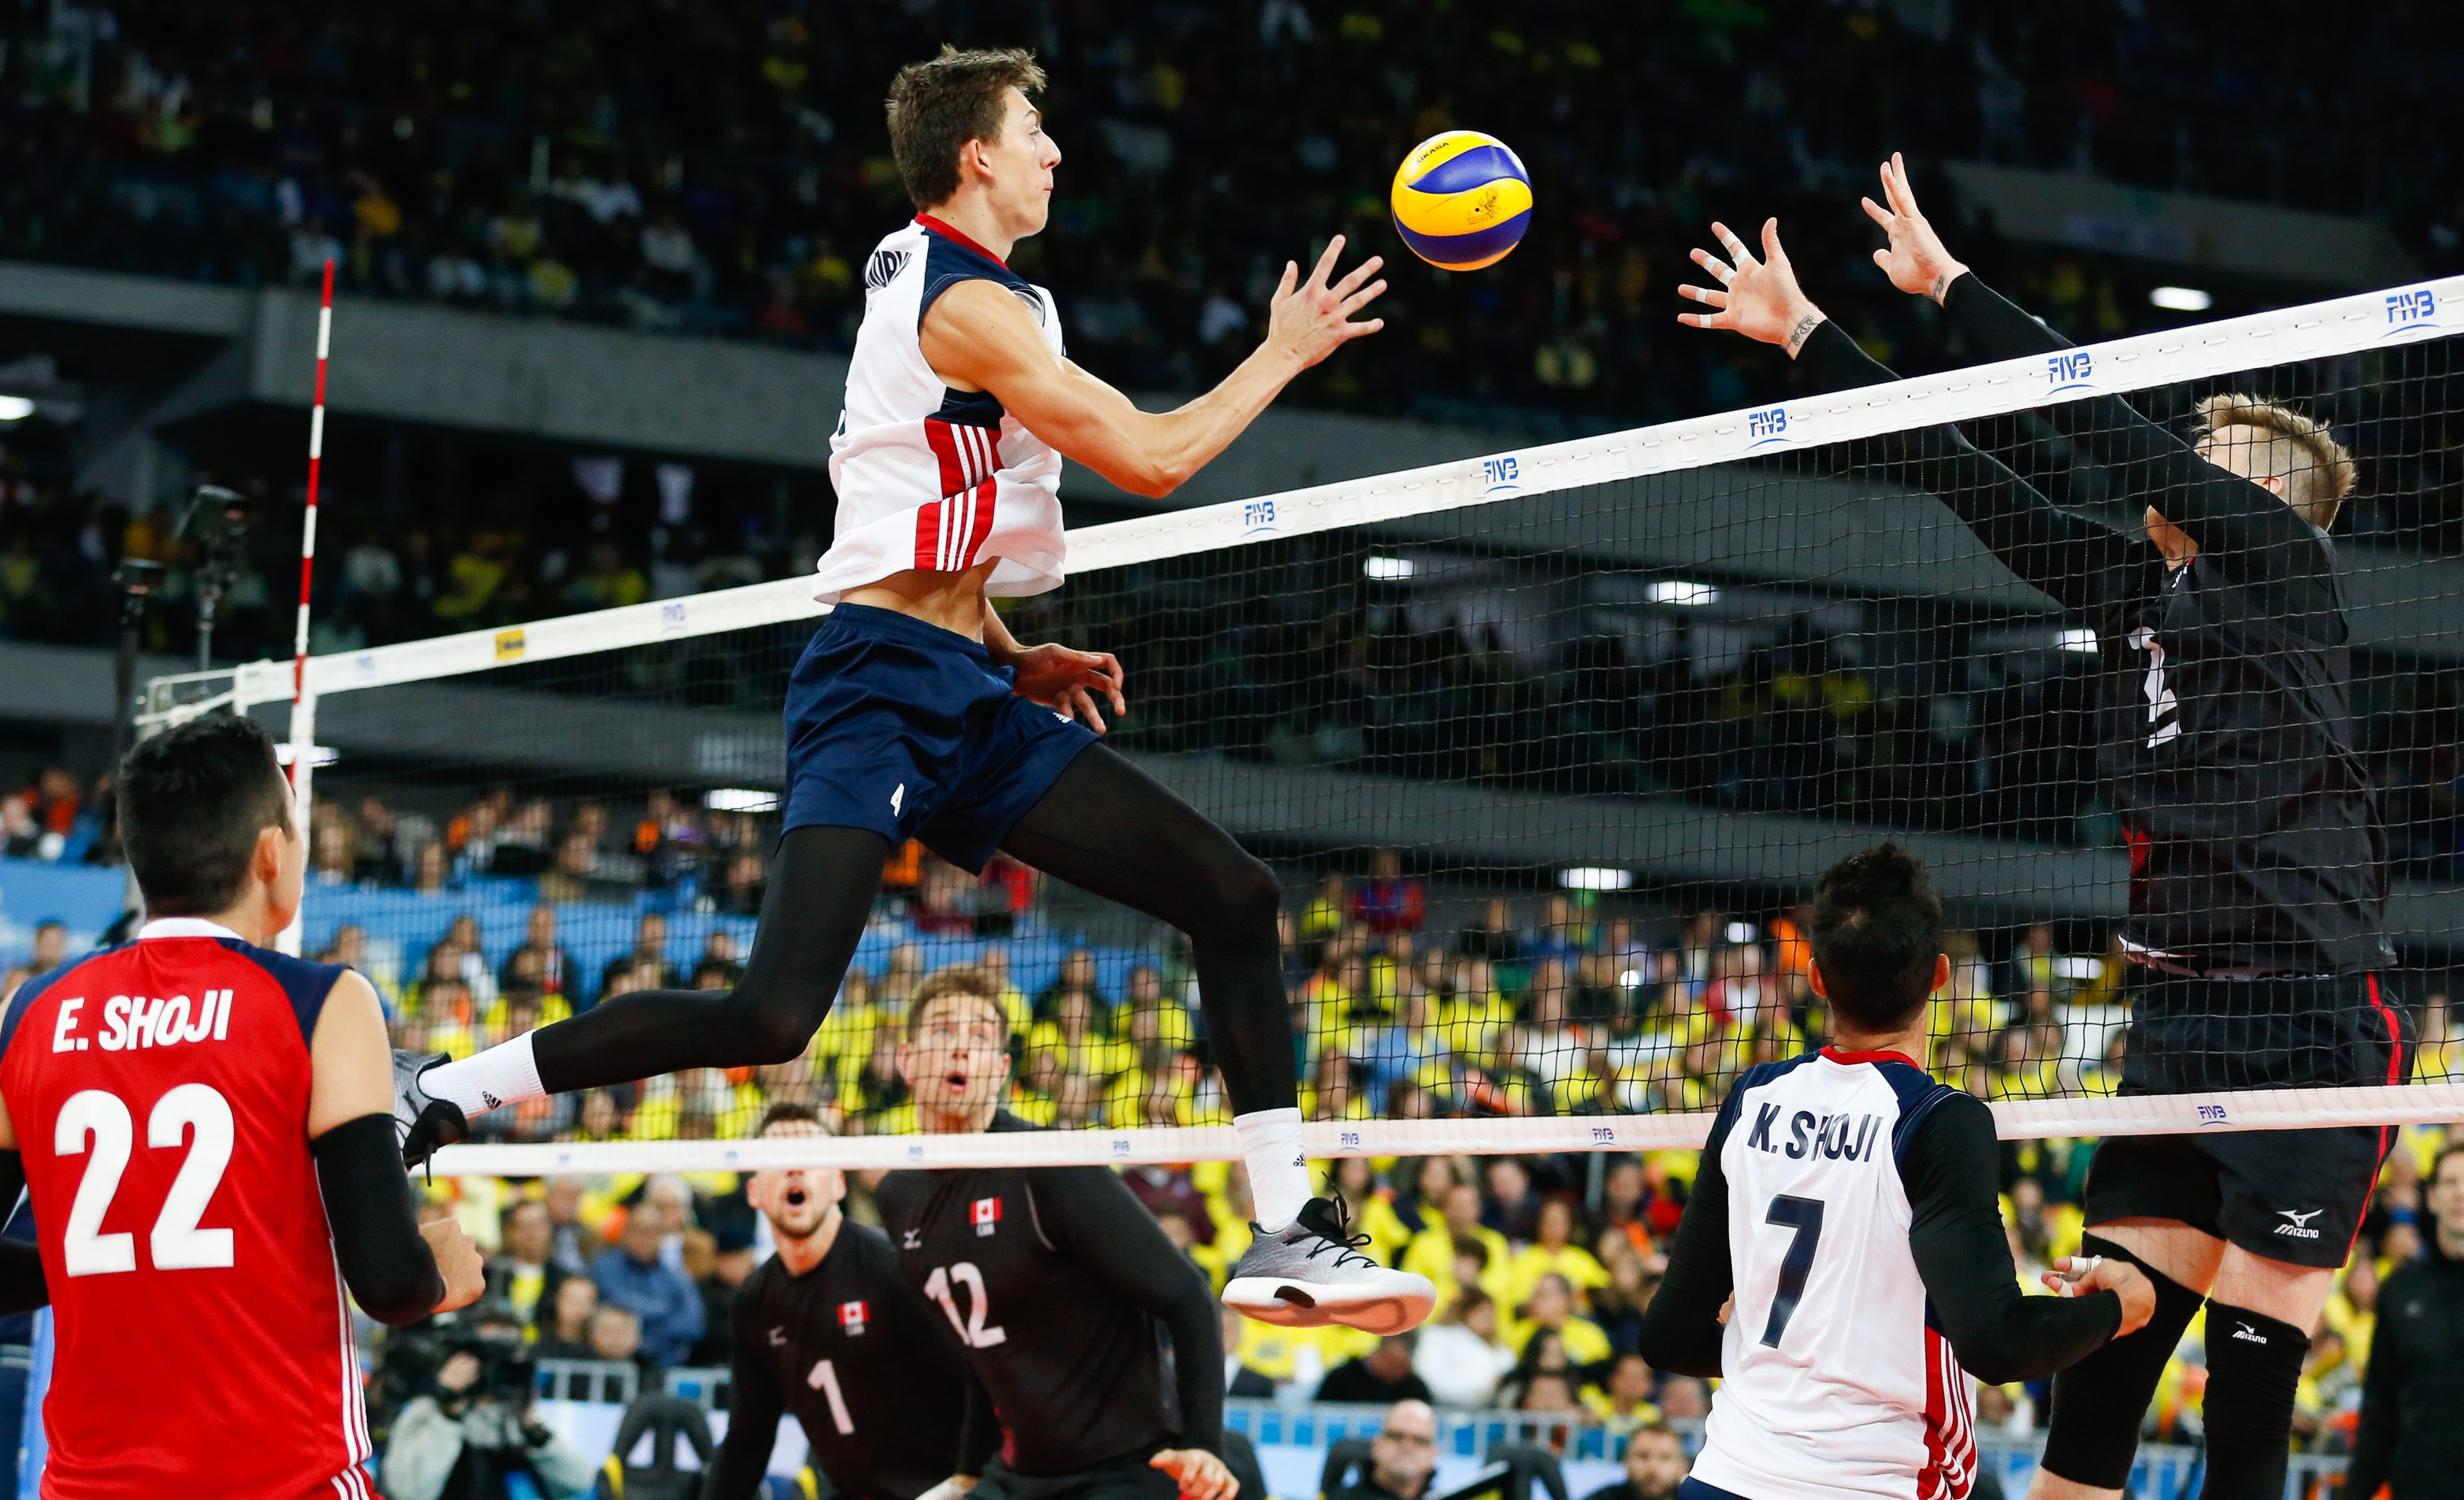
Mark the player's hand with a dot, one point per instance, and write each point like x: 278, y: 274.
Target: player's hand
x: 1309, y: 319
x: 457, y: 1259
x: 1068, y: 681
x: 1728, y: 1307
x: 1759, y: 299
x: 1915, y: 260
x: 2078, y: 1275
x: 1201, y: 1474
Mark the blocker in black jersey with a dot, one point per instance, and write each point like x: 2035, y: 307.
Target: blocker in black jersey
x: 1095, y: 1339
x: 2259, y: 876
x: 869, y: 1368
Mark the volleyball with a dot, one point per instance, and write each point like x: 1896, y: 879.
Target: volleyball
x: 1461, y: 200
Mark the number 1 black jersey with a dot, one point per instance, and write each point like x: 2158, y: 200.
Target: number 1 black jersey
x: 868, y: 1369
x: 1093, y: 1334
x: 2254, y: 847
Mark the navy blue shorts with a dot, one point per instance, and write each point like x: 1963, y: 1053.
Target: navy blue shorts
x: 910, y: 731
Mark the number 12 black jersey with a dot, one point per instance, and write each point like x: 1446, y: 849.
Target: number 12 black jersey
x: 1093, y: 1334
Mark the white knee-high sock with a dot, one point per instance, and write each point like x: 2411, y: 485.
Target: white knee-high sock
x: 1279, y: 1175
x: 505, y: 1073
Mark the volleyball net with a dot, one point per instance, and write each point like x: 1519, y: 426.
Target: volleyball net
x: 1548, y: 746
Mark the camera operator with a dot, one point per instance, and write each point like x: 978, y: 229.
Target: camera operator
x: 473, y: 1435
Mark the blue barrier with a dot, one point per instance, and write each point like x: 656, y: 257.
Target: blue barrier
x: 88, y: 900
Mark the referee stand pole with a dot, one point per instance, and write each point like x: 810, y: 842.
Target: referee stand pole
x: 303, y: 702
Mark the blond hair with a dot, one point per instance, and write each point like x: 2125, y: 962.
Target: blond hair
x: 2297, y: 449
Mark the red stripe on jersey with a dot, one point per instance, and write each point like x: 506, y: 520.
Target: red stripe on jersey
x: 943, y: 439
x: 928, y: 534
x: 1950, y: 1441
x: 2395, y: 1075
x: 980, y: 511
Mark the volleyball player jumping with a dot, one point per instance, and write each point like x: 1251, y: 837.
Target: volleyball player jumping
x: 2258, y: 880
x: 914, y: 714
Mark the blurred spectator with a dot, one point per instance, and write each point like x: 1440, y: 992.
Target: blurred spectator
x: 1460, y: 1356
x: 1382, y: 1375
x: 562, y: 1323
x: 1654, y: 1466
x: 522, y: 1276
x: 1402, y: 1457
x: 1388, y: 901
x: 633, y: 1276
x: 2408, y: 1438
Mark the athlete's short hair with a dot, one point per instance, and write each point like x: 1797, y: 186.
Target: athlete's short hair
x: 958, y: 979
x: 787, y: 1111
x: 938, y: 106
x: 2316, y: 472
x: 193, y: 801
x: 1877, y: 932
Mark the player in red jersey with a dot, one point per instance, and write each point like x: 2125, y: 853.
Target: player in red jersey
x: 206, y: 1131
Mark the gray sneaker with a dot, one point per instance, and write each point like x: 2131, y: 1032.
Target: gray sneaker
x: 423, y: 1121
x: 1312, y: 1274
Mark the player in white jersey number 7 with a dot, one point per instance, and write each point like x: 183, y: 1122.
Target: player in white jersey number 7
x: 1841, y: 1263
x: 914, y: 714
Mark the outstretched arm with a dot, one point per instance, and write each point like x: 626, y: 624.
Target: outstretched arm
x: 2072, y: 560
x: 976, y: 336
x: 2244, y: 528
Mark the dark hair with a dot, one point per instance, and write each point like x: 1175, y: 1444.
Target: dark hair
x: 193, y: 801
x: 787, y: 1111
x: 957, y: 980
x: 937, y: 107
x: 1877, y: 932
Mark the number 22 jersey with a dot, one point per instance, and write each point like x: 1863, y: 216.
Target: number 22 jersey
x: 202, y: 1346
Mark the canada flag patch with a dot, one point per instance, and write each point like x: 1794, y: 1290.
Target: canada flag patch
x: 851, y: 1315
x: 985, y: 1215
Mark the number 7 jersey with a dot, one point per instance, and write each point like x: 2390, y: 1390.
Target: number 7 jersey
x: 201, y: 1345
x: 1835, y: 1379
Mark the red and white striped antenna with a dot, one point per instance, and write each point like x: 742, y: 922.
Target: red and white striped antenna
x: 303, y: 706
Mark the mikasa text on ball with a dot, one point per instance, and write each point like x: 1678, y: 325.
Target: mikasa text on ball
x: 1461, y: 200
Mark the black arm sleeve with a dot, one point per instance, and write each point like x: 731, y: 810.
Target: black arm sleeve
x: 368, y: 1206
x: 979, y: 1429
x: 22, y: 1288
x: 1091, y: 1213
x: 753, y: 1411
x: 2374, y: 1436
x: 1951, y: 1167
x: 2078, y: 562
x: 2249, y: 534
x: 1681, y: 1325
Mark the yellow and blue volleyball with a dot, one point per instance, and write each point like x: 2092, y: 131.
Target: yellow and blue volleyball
x: 1461, y: 200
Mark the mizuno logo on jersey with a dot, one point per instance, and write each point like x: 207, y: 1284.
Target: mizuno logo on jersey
x: 984, y: 1215
x: 2297, y: 1224
x: 851, y: 1316
x: 912, y: 1240
x: 134, y: 1021
x: 1833, y: 1137
x: 2248, y: 1335
x: 777, y: 1337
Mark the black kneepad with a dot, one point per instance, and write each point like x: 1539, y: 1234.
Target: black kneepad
x: 2100, y: 1402
x: 2253, y: 1370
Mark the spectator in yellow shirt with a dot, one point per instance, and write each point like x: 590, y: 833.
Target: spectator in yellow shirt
x: 1551, y: 1311
x: 1431, y: 1252
x: 1554, y: 1252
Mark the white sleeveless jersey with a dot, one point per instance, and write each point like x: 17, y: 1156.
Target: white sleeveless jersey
x: 1834, y: 1380
x: 927, y: 477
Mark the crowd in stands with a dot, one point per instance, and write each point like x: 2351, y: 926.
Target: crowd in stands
x: 724, y: 170
x: 1405, y: 1005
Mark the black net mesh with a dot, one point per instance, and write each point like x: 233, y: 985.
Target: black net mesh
x: 1548, y: 780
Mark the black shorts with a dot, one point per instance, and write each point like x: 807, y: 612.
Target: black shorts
x: 1125, y: 1478
x: 2296, y: 1196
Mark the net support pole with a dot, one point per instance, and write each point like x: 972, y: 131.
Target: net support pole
x: 303, y: 703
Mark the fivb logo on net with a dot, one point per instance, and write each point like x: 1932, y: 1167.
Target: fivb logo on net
x: 2072, y: 370
x: 2414, y: 310
x: 1767, y: 428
